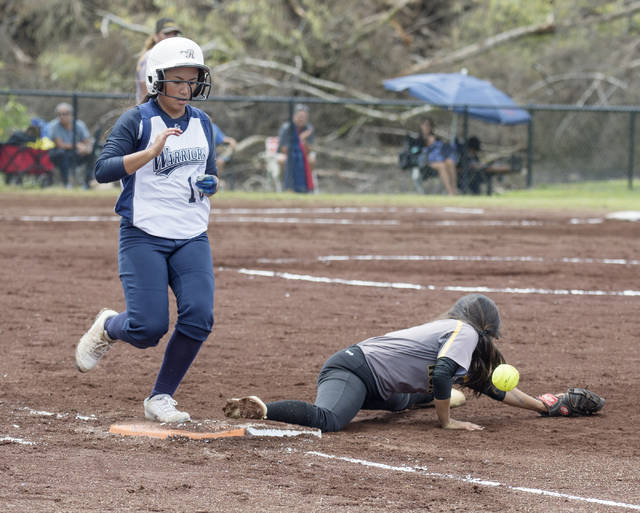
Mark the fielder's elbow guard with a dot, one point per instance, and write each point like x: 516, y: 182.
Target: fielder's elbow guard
x: 495, y: 393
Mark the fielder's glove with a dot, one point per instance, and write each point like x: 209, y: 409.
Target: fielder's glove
x: 577, y: 402
x: 207, y: 184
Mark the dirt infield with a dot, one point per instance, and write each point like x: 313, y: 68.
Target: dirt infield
x: 285, y: 301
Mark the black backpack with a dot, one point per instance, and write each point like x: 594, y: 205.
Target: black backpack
x: 412, y: 147
x: 20, y: 138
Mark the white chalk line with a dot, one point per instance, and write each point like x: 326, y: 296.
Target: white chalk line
x: 238, y: 215
x: 246, y: 211
x: 279, y: 220
x: 217, y: 219
x: 21, y: 441
x: 496, y: 222
x: 450, y: 288
x: 42, y: 413
x: 472, y: 480
x: 234, y: 216
x: 313, y: 210
x: 347, y: 210
x: 60, y: 219
x: 456, y: 258
x: 304, y: 220
x: 323, y: 279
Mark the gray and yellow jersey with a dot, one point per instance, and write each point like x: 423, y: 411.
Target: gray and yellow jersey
x: 402, y: 361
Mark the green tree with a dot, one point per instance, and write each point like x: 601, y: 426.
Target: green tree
x: 13, y: 116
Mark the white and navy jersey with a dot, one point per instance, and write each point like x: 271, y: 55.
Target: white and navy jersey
x: 161, y: 198
x: 402, y: 361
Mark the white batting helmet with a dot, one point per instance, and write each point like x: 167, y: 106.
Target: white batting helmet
x: 176, y: 52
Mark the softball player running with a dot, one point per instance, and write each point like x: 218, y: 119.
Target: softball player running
x: 411, y: 368
x: 163, y: 153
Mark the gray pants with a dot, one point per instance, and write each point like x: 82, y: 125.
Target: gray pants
x: 345, y: 386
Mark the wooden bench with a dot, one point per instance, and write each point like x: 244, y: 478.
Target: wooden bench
x: 497, y: 168
x: 512, y: 165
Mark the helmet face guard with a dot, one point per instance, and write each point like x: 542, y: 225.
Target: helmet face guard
x: 200, y: 89
x: 177, y: 52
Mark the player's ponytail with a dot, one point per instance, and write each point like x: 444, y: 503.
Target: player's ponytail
x: 482, y: 314
x: 485, y: 358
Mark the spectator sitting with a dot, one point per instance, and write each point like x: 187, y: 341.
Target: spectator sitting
x: 438, y: 155
x: 474, y: 167
x: 64, y: 155
x: 165, y: 27
x: 296, y: 145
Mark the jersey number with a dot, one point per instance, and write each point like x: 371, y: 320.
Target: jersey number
x: 430, y: 378
x: 192, y: 197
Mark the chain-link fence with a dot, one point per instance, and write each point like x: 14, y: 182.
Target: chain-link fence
x: 357, y: 142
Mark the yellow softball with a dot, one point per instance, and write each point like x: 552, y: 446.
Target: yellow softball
x: 505, y: 377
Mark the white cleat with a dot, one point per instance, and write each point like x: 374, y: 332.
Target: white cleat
x: 250, y: 407
x: 162, y: 408
x: 94, y: 343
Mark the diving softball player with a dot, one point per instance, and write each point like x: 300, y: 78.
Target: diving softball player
x: 414, y: 367
x: 163, y: 153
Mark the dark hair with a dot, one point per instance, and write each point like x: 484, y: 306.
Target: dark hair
x: 482, y: 314
x: 33, y: 131
x: 431, y: 122
x: 473, y: 143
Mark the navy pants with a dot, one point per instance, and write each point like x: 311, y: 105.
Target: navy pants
x: 65, y: 160
x: 345, y: 386
x: 148, y: 267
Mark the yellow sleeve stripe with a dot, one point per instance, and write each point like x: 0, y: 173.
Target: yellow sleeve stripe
x: 447, y: 344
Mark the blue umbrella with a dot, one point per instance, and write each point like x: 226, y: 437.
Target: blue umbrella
x: 458, y: 89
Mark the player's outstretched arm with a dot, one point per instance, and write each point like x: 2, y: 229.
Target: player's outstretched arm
x: 519, y: 399
x: 441, y: 378
x: 576, y: 402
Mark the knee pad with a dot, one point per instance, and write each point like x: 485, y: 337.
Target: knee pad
x: 457, y: 398
x: 147, y: 334
x: 195, y: 332
x: 196, y: 322
x: 328, y: 421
